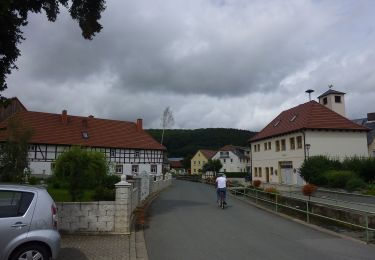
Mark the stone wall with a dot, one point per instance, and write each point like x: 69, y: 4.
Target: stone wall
x: 109, y: 216
x: 86, y: 216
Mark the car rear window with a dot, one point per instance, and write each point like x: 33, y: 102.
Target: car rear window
x: 14, y: 203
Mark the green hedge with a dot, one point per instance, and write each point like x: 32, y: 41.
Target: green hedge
x: 351, y: 174
x: 235, y: 174
x: 338, y: 179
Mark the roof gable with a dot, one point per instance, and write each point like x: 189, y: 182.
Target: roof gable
x: 331, y: 91
x: 208, y: 153
x: 50, y: 129
x: 310, y: 115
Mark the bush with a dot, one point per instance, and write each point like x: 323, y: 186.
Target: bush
x: 256, y: 183
x: 81, y: 169
x: 309, y: 189
x: 110, y: 181
x: 33, y: 180
x: 104, y: 194
x: 271, y: 190
x: 338, y: 178
x: 313, y: 169
x: 355, y: 183
x: 236, y: 174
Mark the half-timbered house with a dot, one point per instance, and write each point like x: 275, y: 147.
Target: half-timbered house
x: 128, y: 148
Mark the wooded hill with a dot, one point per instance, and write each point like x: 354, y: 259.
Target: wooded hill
x: 185, y: 143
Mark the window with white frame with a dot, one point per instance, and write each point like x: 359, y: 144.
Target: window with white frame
x: 154, y: 168
x: 135, y: 169
x: 292, y: 143
x: 299, y: 142
x: 136, y: 154
x: 277, y: 146
x: 119, y: 168
x: 283, y: 146
x: 113, y: 152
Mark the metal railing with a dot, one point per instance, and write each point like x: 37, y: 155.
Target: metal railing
x: 281, y: 203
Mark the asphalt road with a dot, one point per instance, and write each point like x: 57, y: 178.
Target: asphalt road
x: 186, y: 223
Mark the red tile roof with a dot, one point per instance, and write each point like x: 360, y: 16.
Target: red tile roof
x: 310, y: 115
x: 50, y: 129
x: 208, y: 153
x: 176, y: 164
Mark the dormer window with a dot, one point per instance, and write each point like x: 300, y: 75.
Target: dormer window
x: 337, y: 99
x: 293, y: 118
x: 85, y: 135
x: 325, y: 101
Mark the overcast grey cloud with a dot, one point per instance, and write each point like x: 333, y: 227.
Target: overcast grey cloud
x: 216, y: 63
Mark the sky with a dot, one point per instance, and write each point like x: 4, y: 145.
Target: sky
x: 215, y: 63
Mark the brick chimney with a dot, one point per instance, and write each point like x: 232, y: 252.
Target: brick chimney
x: 139, y: 124
x: 64, y: 117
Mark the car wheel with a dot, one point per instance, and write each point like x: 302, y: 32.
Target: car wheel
x: 31, y: 252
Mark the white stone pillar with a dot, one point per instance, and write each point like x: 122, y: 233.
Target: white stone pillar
x: 123, y: 206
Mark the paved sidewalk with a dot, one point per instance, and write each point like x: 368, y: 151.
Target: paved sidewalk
x: 95, y: 247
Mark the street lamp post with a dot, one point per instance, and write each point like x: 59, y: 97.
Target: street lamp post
x: 307, y: 147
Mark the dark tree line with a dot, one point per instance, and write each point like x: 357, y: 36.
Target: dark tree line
x: 185, y: 143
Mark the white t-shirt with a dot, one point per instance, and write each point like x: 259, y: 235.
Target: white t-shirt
x: 221, y: 182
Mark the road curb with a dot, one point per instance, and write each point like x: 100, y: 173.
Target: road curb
x: 138, y: 249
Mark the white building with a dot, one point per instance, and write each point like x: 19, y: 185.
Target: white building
x: 234, y: 158
x: 309, y: 129
x: 128, y: 148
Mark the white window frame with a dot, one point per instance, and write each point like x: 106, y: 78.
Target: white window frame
x: 119, y: 168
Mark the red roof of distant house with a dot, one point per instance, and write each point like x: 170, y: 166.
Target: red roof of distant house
x: 208, y: 153
x: 50, y: 129
x: 176, y: 164
x: 310, y: 115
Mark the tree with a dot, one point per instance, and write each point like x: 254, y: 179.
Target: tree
x: 212, y: 166
x: 167, y: 120
x: 80, y: 169
x: 14, y: 14
x: 14, y: 152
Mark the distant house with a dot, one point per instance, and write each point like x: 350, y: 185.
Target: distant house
x: 200, y: 158
x: 177, y: 166
x: 128, y: 148
x: 369, y: 122
x: 279, y: 150
x: 234, y: 158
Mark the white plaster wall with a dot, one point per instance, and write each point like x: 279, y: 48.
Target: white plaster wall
x: 337, y: 144
x: 40, y: 168
x: 235, y: 166
x: 330, y: 143
x: 271, y: 158
x: 331, y: 104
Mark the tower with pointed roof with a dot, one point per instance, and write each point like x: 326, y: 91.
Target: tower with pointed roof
x: 334, y: 100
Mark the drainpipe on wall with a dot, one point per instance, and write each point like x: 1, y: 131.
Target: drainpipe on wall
x: 304, y: 143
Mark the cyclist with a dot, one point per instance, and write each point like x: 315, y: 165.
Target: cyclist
x: 221, y: 186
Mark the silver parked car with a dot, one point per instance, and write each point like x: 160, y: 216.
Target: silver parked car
x: 28, y: 223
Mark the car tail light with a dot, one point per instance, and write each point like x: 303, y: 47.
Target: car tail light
x: 54, y: 215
